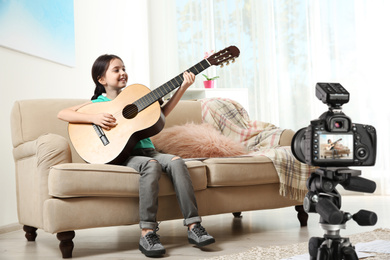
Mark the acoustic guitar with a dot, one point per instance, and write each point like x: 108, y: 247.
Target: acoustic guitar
x: 332, y: 145
x: 138, y: 114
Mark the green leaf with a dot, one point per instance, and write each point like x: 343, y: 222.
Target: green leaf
x: 207, y: 78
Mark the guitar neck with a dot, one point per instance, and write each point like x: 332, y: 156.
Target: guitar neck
x: 169, y: 86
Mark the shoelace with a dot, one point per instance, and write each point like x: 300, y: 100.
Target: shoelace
x: 199, y: 230
x: 153, y: 238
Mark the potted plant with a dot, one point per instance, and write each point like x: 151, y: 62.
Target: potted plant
x: 209, y: 82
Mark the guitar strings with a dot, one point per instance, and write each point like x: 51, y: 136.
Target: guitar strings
x: 146, y: 100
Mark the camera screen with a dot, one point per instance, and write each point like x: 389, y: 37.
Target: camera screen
x: 336, y: 146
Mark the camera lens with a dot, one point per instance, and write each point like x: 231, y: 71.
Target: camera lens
x: 297, y: 145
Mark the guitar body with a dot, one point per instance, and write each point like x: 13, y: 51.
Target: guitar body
x: 123, y: 137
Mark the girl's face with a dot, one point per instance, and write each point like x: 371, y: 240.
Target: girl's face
x: 115, y: 76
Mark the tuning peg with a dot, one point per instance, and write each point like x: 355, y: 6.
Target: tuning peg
x: 233, y: 60
x: 227, y: 63
x: 221, y: 65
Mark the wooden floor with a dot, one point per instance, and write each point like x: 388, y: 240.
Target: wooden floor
x: 233, y: 235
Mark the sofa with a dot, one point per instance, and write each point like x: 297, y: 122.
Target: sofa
x: 59, y: 193
x: 340, y: 151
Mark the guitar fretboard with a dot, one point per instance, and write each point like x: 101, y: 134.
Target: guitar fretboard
x: 169, y: 86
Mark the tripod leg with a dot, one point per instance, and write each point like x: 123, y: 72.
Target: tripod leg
x: 324, y: 253
x: 314, y: 245
x: 349, y: 253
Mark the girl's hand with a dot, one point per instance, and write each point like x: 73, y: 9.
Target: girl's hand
x: 105, y: 120
x: 189, y: 79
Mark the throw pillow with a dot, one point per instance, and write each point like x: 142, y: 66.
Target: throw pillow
x: 196, y: 141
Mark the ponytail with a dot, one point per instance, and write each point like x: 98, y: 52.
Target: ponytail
x: 98, y: 91
x: 99, y: 68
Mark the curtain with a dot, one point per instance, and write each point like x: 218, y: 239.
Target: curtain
x: 287, y: 46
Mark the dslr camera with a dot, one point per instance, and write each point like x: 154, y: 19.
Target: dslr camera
x: 333, y: 140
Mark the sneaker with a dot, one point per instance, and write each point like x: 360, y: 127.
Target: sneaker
x: 199, y: 236
x: 150, y: 245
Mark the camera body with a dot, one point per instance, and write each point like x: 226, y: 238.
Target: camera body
x: 333, y: 140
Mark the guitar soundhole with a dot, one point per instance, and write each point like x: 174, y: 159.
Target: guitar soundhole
x: 130, y: 111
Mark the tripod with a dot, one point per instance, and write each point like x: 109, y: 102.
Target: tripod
x: 324, y: 199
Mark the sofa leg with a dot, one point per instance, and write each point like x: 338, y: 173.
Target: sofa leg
x: 31, y: 233
x: 237, y: 214
x: 302, y: 215
x: 66, y: 243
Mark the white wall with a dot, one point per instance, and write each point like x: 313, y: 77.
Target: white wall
x: 118, y: 27
x: 164, y: 63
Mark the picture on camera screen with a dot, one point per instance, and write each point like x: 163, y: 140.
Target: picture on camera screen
x: 336, y: 146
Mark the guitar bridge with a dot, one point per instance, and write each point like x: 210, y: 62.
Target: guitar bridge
x: 101, y: 134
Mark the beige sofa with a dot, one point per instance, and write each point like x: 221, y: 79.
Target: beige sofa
x: 341, y: 151
x: 59, y: 193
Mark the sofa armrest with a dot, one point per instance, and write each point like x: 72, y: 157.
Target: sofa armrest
x: 33, y: 161
x: 25, y: 150
x: 51, y: 149
x: 286, y: 137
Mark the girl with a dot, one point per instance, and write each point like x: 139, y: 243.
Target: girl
x: 110, y: 77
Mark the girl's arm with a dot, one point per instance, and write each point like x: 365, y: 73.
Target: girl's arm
x: 189, y: 79
x: 71, y: 115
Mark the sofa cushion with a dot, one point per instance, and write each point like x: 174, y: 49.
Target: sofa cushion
x: 240, y: 171
x: 85, y: 180
x: 184, y: 112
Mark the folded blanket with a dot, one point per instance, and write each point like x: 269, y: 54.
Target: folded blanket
x: 259, y: 138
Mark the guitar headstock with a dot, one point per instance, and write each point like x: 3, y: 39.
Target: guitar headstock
x: 226, y: 55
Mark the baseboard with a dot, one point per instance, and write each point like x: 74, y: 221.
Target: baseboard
x: 10, y: 228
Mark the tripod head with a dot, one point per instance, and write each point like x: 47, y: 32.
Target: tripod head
x: 324, y: 198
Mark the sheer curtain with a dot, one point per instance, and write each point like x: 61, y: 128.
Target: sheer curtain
x: 287, y: 47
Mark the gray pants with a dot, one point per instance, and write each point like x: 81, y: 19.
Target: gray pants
x: 151, y: 165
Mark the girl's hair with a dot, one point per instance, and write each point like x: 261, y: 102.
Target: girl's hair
x: 99, y: 68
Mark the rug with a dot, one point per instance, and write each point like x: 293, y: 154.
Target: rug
x: 283, y: 252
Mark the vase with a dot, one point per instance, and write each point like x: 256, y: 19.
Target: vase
x: 208, y: 83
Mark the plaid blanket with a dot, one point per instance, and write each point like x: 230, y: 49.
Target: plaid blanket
x: 260, y: 139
